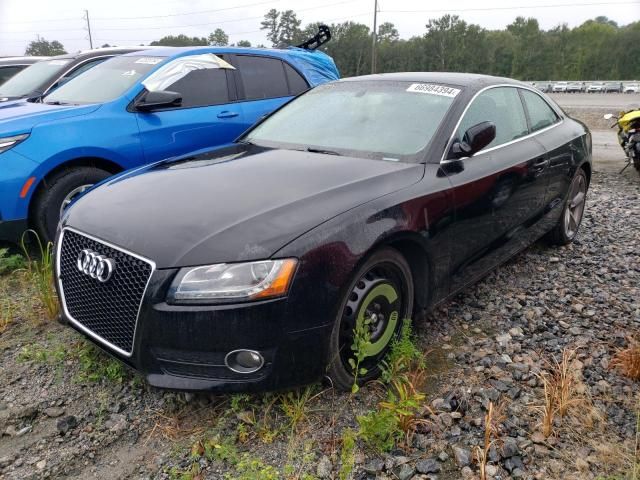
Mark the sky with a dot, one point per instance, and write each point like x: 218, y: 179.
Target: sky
x: 132, y: 22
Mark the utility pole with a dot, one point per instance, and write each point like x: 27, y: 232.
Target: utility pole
x: 374, y: 36
x: 86, y: 17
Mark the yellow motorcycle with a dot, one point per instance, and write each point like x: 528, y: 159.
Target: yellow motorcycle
x: 628, y: 124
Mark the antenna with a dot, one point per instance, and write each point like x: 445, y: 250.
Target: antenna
x: 86, y: 17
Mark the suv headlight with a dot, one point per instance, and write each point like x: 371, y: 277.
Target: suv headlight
x: 9, y: 142
x: 233, y: 281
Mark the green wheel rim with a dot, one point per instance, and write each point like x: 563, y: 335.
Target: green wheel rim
x: 389, y: 293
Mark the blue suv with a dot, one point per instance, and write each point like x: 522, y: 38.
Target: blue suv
x: 136, y: 109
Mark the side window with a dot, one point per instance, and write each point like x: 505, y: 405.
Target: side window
x: 503, y: 107
x: 7, y: 72
x: 541, y: 115
x: 297, y: 84
x: 262, y: 77
x: 199, y: 88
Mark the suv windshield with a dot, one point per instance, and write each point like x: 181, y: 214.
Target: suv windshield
x: 104, y: 82
x: 33, y: 77
x: 373, y: 119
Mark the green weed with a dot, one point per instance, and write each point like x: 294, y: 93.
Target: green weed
x: 403, y: 354
x: 10, y: 262
x: 41, y: 272
x: 348, y: 454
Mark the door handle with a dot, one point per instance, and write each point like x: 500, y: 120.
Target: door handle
x: 540, y: 164
x: 227, y: 114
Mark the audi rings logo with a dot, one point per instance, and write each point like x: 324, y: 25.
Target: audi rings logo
x: 95, y: 265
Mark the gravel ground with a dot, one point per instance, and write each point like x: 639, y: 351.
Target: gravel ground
x: 489, y: 344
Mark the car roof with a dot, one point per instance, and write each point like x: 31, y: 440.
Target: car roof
x: 181, y: 51
x: 20, y: 60
x: 98, y: 52
x: 471, y: 80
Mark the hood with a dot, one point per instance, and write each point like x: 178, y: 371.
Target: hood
x: 231, y: 205
x: 21, y: 116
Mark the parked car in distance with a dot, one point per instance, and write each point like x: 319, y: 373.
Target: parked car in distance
x: 9, y: 66
x: 351, y: 208
x: 613, y: 87
x: 45, y: 76
x: 575, y: 87
x: 544, y: 87
x: 596, y: 87
x: 135, y: 109
x: 632, y: 88
x: 560, y: 87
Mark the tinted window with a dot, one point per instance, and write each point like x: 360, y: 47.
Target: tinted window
x: 262, y: 77
x: 297, y: 84
x: 8, y: 72
x: 503, y: 107
x: 541, y: 115
x: 207, y: 86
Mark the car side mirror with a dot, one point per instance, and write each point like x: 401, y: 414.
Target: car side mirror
x: 156, y: 100
x: 474, y: 140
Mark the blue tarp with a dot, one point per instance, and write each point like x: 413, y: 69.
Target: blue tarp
x: 317, y: 66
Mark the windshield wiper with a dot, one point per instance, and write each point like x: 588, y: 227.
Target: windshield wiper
x: 320, y: 150
x: 57, y: 102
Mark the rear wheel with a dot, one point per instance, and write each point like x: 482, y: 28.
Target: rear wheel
x: 568, y: 225
x: 57, y: 195
x: 379, y: 298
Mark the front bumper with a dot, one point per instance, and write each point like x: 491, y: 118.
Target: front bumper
x: 184, y: 347
x: 11, y: 230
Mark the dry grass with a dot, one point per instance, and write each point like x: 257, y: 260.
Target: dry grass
x: 492, y: 420
x: 627, y: 361
x: 562, y: 392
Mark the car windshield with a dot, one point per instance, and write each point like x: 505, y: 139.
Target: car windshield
x: 33, y: 77
x: 373, y: 119
x: 104, y: 82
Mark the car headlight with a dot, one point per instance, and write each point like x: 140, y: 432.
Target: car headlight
x: 9, y: 142
x: 233, y: 281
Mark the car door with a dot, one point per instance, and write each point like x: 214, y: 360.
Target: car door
x: 498, y: 192
x: 264, y: 84
x: 209, y: 116
x: 542, y: 122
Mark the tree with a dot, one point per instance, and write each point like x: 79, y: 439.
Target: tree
x: 244, y: 43
x: 387, y: 32
x: 283, y: 28
x: 180, y: 41
x: 44, y: 47
x: 218, y: 38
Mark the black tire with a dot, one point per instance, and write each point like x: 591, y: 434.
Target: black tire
x: 47, y: 204
x: 566, y: 230
x: 370, y: 290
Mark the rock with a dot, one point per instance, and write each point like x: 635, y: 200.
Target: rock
x: 512, y: 463
x: 116, y: 423
x: 429, y: 465
x: 510, y: 447
x: 491, y: 470
x: 441, y: 405
x: 54, y: 412
x: 374, y: 466
x: 67, y: 423
x: 467, y: 473
x: 323, y: 470
x: 404, y: 471
x: 538, y: 437
x: 462, y: 456
x: 41, y: 464
x: 443, y: 456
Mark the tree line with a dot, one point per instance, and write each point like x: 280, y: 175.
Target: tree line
x: 597, y: 49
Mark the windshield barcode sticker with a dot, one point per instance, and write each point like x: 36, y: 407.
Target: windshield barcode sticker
x: 434, y: 89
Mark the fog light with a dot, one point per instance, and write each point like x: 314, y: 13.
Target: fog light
x: 244, y: 361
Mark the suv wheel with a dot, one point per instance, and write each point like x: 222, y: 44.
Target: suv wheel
x: 58, y: 193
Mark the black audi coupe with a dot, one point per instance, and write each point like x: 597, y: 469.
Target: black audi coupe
x: 357, y: 204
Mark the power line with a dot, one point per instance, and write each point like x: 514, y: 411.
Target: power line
x: 520, y: 7
x: 86, y: 16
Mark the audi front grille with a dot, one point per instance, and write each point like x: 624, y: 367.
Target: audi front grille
x: 105, y: 310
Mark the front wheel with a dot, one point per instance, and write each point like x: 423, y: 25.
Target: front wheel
x: 567, y: 227
x: 376, y: 302
x: 57, y: 194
